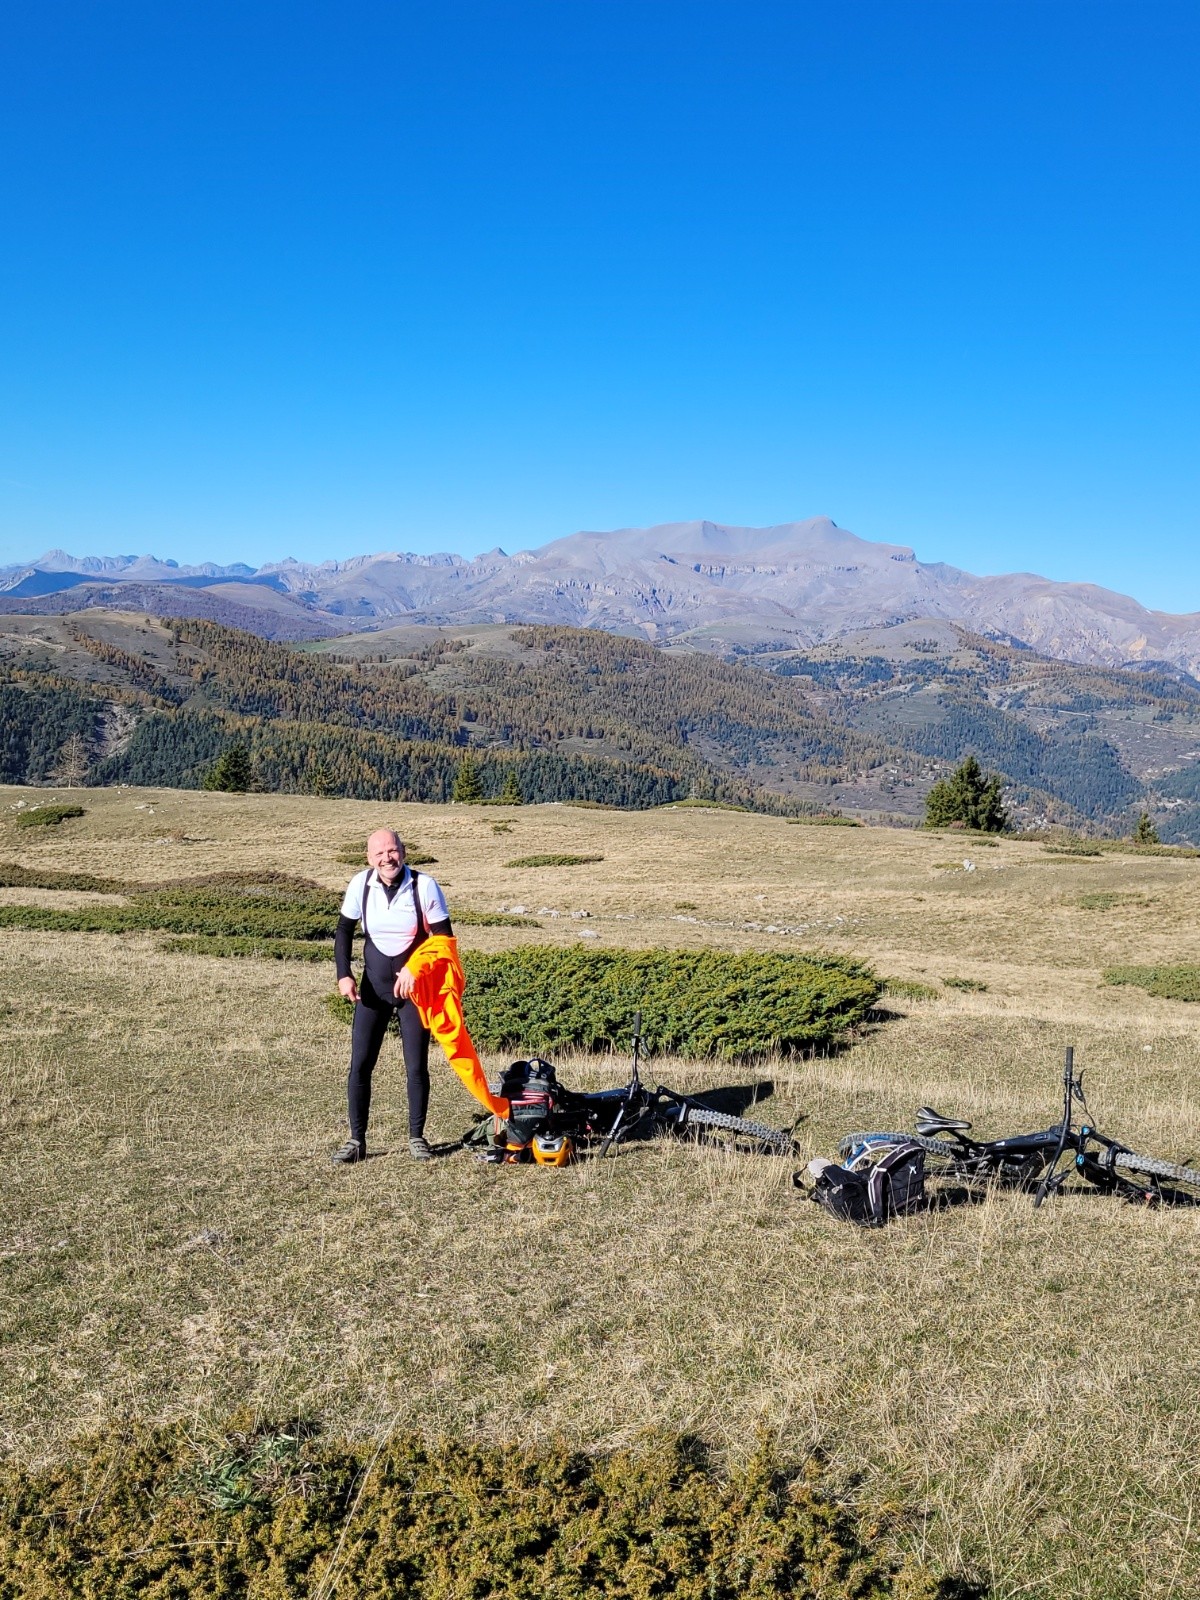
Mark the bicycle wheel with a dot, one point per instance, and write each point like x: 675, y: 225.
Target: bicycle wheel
x: 1172, y: 1185
x: 935, y: 1147
x: 775, y: 1139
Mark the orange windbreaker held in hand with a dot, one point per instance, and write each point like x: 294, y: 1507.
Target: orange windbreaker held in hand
x: 439, y: 981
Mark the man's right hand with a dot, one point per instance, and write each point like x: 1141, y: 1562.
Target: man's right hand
x: 348, y: 989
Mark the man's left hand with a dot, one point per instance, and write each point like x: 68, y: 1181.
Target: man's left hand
x: 405, y: 983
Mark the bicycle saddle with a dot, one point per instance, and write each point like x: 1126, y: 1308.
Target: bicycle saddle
x: 930, y: 1121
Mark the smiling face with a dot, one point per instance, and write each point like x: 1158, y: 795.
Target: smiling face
x: 385, y: 852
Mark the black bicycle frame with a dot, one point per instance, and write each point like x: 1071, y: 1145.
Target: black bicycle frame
x: 1094, y: 1155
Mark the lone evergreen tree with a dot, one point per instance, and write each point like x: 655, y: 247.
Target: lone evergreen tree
x: 510, y: 794
x: 320, y: 782
x: 231, y: 770
x: 968, y: 800
x: 468, y: 790
x: 1145, y: 832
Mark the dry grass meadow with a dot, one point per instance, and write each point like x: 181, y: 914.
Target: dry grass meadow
x: 1017, y: 1390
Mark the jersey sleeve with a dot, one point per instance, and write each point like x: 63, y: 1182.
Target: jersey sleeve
x: 433, y: 900
x: 352, y: 900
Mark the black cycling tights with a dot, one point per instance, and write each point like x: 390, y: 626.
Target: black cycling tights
x: 371, y: 1020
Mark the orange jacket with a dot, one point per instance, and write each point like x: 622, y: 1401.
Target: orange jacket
x: 437, y: 995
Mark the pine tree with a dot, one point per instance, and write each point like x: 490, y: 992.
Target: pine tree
x: 510, y: 794
x: 468, y: 790
x: 231, y: 770
x: 320, y: 781
x: 1145, y: 832
x: 967, y: 799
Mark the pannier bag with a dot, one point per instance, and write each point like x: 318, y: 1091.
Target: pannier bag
x: 893, y: 1186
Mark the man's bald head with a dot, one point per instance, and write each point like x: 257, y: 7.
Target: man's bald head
x: 385, y: 852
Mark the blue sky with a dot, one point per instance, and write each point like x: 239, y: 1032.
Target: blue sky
x: 310, y: 280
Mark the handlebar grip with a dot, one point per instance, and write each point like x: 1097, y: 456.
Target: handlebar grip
x: 637, y: 1024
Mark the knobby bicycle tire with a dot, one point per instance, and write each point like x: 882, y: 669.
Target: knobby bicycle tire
x: 702, y: 1117
x: 1157, y: 1169
x: 935, y: 1147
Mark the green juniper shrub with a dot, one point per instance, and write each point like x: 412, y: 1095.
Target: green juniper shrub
x: 14, y: 876
x: 240, y: 912
x: 245, y: 946
x: 553, y: 861
x: 1127, y: 847
x: 1167, y: 983
x: 354, y: 854
x: 695, y: 1003
x: 266, y: 1511
x: 464, y: 917
x: 1105, y: 899
x: 696, y: 803
x: 48, y: 816
x: 967, y: 985
x: 909, y: 989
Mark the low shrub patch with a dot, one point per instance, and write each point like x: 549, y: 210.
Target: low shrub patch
x: 463, y: 917
x: 264, y: 906
x: 1105, y: 899
x: 967, y: 985
x: 695, y: 1003
x: 552, y: 861
x: 825, y: 822
x: 14, y: 876
x: 267, y: 1510
x: 245, y: 946
x: 48, y: 816
x: 237, y: 913
x: 909, y: 989
x: 1168, y: 983
x: 354, y: 854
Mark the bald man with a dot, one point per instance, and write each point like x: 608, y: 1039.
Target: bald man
x: 398, y: 909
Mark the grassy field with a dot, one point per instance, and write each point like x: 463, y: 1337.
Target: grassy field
x: 1016, y: 1390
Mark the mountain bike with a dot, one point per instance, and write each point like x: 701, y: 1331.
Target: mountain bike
x: 1040, y: 1162
x: 607, y: 1117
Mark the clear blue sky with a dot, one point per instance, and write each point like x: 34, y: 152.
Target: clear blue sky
x: 315, y: 279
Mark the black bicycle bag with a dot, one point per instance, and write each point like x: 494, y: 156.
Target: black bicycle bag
x: 534, y: 1094
x: 892, y: 1187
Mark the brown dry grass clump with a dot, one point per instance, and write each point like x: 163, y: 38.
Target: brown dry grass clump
x: 1018, y: 1386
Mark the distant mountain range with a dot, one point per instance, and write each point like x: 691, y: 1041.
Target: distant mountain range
x: 721, y: 588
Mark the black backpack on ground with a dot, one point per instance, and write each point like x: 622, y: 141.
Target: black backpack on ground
x: 892, y: 1187
x: 534, y: 1094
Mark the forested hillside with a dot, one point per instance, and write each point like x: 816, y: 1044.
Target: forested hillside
x: 864, y: 725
